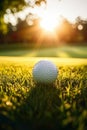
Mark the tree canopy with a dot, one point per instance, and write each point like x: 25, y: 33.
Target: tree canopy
x: 14, y: 6
x: 18, y: 4
x: 5, y: 4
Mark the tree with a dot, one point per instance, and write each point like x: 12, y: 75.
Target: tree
x: 14, y: 6
x: 18, y: 4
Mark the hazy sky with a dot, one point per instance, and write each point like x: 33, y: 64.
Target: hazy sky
x: 69, y: 8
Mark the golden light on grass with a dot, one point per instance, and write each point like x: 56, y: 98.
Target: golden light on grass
x: 31, y: 61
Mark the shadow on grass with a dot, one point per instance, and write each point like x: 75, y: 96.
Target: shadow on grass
x: 40, y: 109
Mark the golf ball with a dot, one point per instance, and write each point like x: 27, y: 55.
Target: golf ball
x: 45, y: 72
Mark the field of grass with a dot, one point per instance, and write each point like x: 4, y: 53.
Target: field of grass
x: 60, y: 51
x: 27, y: 105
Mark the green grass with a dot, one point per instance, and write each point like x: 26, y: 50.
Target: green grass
x: 30, y: 106
x: 61, y: 51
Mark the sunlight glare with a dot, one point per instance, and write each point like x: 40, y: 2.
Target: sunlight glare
x: 48, y: 22
x: 49, y: 19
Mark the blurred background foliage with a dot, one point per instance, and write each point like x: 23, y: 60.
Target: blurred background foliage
x: 14, y: 6
x: 26, y: 30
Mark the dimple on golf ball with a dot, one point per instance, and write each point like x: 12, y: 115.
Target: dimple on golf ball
x: 45, y: 72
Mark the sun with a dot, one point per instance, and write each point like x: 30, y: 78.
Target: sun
x: 48, y: 22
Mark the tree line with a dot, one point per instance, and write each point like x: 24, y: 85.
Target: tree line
x: 23, y: 32
x: 67, y: 32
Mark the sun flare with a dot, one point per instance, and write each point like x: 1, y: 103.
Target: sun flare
x: 48, y: 23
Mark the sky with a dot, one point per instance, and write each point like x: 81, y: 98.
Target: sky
x: 69, y: 8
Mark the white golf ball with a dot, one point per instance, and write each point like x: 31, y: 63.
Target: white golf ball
x: 45, y: 72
